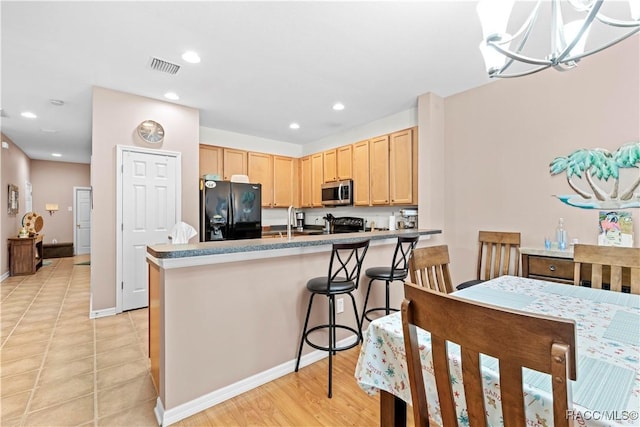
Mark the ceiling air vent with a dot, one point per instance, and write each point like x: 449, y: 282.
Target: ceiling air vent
x: 163, y: 66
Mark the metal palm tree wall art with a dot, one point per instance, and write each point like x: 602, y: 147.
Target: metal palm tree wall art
x: 595, y: 165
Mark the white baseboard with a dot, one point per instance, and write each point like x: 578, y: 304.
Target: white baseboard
x: 180, y: 412
x: 95, y: 314
x: 4, y: 276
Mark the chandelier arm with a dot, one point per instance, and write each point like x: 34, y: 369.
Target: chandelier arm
x: 526, y: 32
x: 519, y: 57
x: 590, y: 17
x: 616, y: 22
x: 591, y: 52
x: 524, y: 73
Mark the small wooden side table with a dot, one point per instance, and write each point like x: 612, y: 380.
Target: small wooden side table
x: 25, y: 255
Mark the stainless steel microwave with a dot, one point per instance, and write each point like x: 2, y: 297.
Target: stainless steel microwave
x: 338, y: 193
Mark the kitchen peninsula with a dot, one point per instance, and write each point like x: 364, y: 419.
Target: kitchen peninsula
x: 226, y: 317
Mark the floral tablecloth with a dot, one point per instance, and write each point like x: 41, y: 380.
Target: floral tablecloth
x: 607, y: 389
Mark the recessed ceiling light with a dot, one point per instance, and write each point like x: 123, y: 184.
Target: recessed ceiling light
x: 28, y: 115
x: 56, y: 102
x: 172, y: 96
x: 294, y: 126
x: 56, y: 154
x: 49, y: 130
x: 338, y: 106
x: 191, y: 57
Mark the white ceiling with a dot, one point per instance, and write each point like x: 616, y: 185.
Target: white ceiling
x: 264, y: 64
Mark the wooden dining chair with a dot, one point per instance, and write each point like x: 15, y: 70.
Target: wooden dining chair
x: 429, y: 267
x: 607, y: 263
x: 498, y: 255
x: 516, y: 339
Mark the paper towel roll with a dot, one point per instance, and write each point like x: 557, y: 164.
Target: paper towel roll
x: 392, y: 222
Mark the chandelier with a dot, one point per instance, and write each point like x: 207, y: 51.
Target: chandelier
x: 507, y: 55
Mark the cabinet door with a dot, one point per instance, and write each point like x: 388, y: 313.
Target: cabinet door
x: 401, y: 169
x: 316, y: 180
x: 344, y: 162
x: 235, y: 163
x: 283, y: 181
x: 305, y: 182
x: 361, y: 173
x: 329, y: 159
x: 210, y: 160
x: 379, y: 170
x: 260, y: 167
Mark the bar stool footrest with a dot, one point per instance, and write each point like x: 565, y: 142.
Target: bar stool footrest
x: 325, y: 348
x: 371, y: 310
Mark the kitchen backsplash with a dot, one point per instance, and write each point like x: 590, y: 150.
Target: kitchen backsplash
x: 313, y: 216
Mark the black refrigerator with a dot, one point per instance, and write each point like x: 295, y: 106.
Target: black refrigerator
x: 230, y: 210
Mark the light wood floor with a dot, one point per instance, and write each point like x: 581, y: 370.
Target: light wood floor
x: 60, y: 368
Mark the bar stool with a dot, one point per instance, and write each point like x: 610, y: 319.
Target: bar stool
x: 344, y: 273
x: 398, y: 271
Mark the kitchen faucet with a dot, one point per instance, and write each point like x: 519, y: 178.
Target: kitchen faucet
x: 289, y: 212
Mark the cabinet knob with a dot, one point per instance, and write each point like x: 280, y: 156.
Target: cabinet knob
x: 552, y: 267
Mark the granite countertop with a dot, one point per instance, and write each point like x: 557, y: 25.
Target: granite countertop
x: 166, y: 251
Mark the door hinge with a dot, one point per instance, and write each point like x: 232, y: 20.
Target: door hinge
x: 122, y: 226
x: 122, y: 168
x: 122, y: 285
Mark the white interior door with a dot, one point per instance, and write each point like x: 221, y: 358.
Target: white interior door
x: 82, y: 220
x: 148, y: 214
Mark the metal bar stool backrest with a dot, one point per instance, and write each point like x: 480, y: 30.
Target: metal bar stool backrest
x: 401, y: 256
x: 346, y: 262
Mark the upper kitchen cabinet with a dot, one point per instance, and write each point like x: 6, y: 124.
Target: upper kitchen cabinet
x: 260, y: 167
x: 305, y: 182
x: 330, y: 173
x: 344, y: 162
x: 316, y: 180
x: 403, y: 172
x: 379, y: 170
x: 337, y: 164
x: 210, y: 160
x: 284, y: 181
x: 361, y: 173
x: 234, y: 163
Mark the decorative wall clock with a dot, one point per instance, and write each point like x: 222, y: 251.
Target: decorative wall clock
x: 151, y: 132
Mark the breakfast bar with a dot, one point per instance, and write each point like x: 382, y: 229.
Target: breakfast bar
x: 226, y: 317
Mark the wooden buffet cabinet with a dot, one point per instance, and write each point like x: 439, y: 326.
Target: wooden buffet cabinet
x: 558, y: 266
x: 25, y: 255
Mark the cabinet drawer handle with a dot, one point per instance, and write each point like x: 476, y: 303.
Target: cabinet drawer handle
x: 552, y: 267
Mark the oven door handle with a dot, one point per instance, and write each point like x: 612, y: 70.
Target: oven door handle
x: 340, y: 192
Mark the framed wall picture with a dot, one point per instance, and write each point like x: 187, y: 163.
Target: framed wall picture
x: 12, y: 203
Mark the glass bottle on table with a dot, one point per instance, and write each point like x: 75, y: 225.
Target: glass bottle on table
x: 561, y: 235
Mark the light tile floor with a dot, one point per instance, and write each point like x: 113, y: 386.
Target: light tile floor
x: 58, y: 367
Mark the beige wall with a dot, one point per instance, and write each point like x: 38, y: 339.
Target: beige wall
x: 115, y: 118
x: 53, y: 182
x: 500, y: 138
x: 15, y: 170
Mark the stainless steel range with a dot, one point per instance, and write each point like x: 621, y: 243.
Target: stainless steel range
x: 347, y: 224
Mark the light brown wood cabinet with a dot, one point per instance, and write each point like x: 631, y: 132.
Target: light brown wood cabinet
x: 344, y: 162
x: 330, y: 173
x: 284, y: 182
x: 337, y: 164
x: 234, y: 163
x: 361, y: 173
x: 402, y: 167
x: 25, y: 255
x: 379, y: 170
x: 316, y: 179
x: 260, y: 166
x: 305, y: 182
x: 210, y: 160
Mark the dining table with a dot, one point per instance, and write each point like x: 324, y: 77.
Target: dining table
x: 606, y: 391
